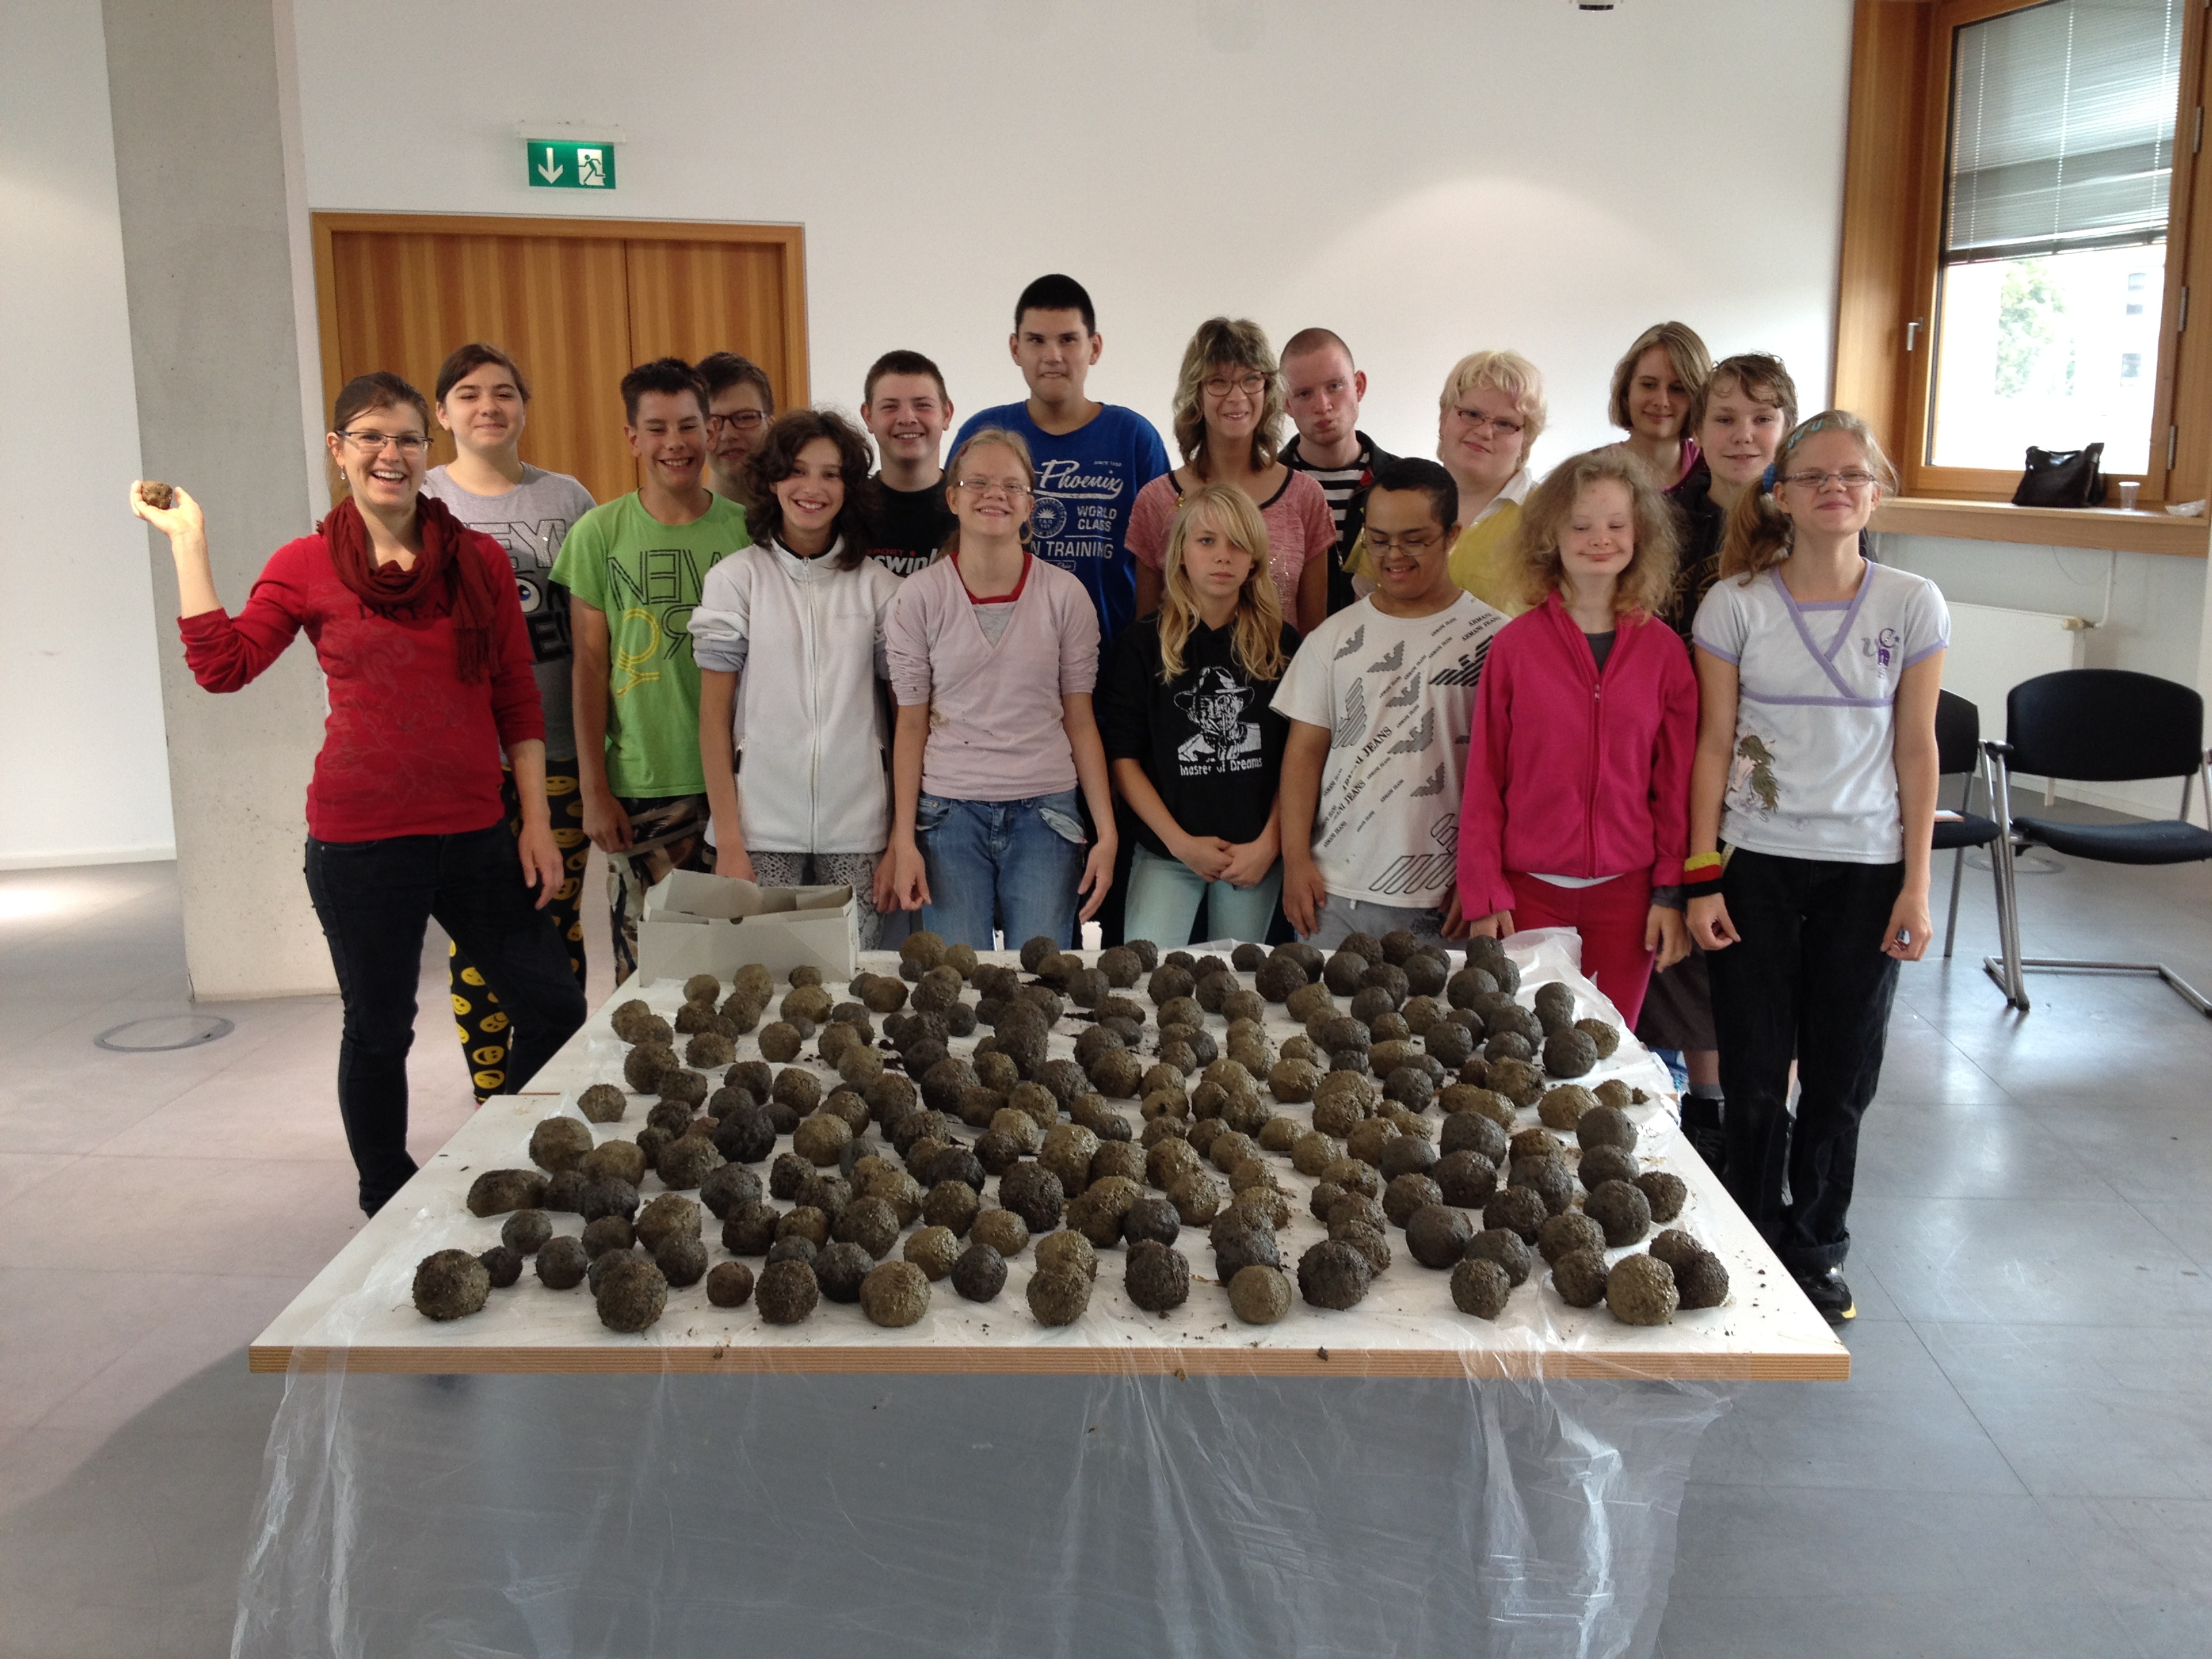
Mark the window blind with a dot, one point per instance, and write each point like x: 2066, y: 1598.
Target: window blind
x: 2062, y: 128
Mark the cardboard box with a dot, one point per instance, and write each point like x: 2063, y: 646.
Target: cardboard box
x: 701, y: 924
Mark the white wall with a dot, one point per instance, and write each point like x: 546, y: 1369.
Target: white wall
x: 1427, y: 177
x: 81, y: 746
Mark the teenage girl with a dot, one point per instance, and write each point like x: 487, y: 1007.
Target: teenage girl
x: 1653, y: 387
x: 483, y: 401
x: 1577, y: 804
x: 1229, y: 425
x: 1195, y: 748
x: 426, y: 663
x: 994, y: 654
x: 793, y: 626
x: 1816, y: 771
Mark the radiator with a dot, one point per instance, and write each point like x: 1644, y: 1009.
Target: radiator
x: 1993, y: 650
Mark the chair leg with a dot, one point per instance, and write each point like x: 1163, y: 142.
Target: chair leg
x: 1951, y: 927
x: 2008, y: 975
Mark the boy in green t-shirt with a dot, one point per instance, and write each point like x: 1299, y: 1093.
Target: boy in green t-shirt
x: 633, y: 569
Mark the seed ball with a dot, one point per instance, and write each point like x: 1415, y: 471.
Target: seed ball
x: 1570, y: 1052
x: 1448, y: 1043
x: 453, y: 1283
x: 1665, y: 1193
x: 1117, y: 1074
x: 1675, y: 1248
x: 729, y: 1285
x: 804, y: 1222
x: 497, y: 1191
x: 1169, y: 1161
x: 1035, y: 1194
x: 671, y: 1215
x: 559, y: 1143
x: 1238, y: 1242
x: 1467, y: 1179
x: 605, y: 1195
x: 997, y: 1150
x: 1259, y: 1295
x: 1437, y: 1235
x: 1267, y: 1203
x: 1369, y: 1137
x: 685, y: 1164
x: 1507, y: 1249
x: 1537, y: 1143
x: 1097, y: 1210
x: 631, y: 1295
x: 609, y: 1233
x: 1151, y: 1217
x: 1364, y: 1236
x: 786, y: 1292
x: 1120, y: 967
x: 779, y: 1041
x: 1333, y: 1274
x: 1068, y: 1252
x: 1518, y: 1210
x: 643, y: 1065
x: 750, y: 1228
x: 1562, y: 1107
x: 1517, y: 1080
x: 1622, y: 1210
x: 1202, y: 1135
x: 1579, y: 1277
x: 1355, y: 1175
x: 869, y: 1223
x: 955, y: 1164
x: 1606, y: 1125
x: 839, y: 1269
x: 1565, y: 1233
x: 561, y: 1263
x: 1406, y: 1155
x: 894, y: 1294
x: 1602, y: 1164
x: 821, y: 1139
x: 1198, y: 1198
x: 1058, y: 1296
x: 1280, y: 1134
x: 1481, y: 1287
x: 952, y: 1204
x: 1243, y: 1003
x: 934, y: 1249
x: 1640, y: 1291
x: 1555, y: 1005
x: 1157, y: 1277
x: 1230, y: 1149
x: 681, y: 1261
x: 740, y: 1014
x: 1546, y: 1176
x: 1471, y: 1131
x: 627, y: 1019
x: 1467, y: 1099
x: 1426, y: 971
x: 1408, y: 1194
x: 687, y: 1088
x: 602, y: 1103
x: 1341, y: 973
x: 1508, y: 1045
x: 709, y: 1051
x: 670, y: 1117
x: 1603, y: 1034
x: 1699, y: 1282
x: 1003, y: 1230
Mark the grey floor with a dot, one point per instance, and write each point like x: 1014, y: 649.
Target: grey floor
x: 2021, y: 1465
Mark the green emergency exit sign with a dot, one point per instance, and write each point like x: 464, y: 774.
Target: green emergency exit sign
x: 569, y: 164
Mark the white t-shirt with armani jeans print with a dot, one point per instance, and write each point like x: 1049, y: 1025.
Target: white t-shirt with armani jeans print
x: 1397, y: 695
x: 1814, y: 771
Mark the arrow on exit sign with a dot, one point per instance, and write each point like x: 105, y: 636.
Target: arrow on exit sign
x: 558, y: 164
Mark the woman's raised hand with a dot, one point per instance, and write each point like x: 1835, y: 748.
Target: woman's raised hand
x: 181, y: 515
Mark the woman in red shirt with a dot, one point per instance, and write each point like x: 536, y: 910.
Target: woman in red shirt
x: 1577, y: 805
x: 416, y: 622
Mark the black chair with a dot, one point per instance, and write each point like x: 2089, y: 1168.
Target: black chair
x: 2096, y: 725
x: 1959, y: 752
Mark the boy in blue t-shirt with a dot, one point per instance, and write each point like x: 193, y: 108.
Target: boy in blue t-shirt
x: 1091, y: 458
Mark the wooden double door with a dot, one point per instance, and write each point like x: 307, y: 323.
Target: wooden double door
x: 575, y: 302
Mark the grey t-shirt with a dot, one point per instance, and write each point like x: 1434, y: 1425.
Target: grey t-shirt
x: 530, y: 521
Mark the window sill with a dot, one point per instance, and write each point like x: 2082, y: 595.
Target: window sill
x: 2105, y: 528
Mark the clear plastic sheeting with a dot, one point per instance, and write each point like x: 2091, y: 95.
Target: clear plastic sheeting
x: 543, y: 1516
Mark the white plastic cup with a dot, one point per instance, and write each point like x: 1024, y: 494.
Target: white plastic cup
x: 2129, y: 489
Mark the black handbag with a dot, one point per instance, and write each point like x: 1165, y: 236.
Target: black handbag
x: 2062, y: 477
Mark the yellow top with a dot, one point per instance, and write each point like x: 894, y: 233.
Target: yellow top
x: 1480, y: 561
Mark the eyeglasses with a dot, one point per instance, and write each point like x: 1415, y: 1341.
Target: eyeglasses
x: 744, y: 420
x: 1855, y: 479
x: 408, y: 444
x: 1475, y: 420
x: 1412, y: 544
x: 982, y: 488
x: 1220, y: 385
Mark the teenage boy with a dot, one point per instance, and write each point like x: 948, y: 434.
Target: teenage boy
x: 740, y: 404
x: 905, y: 406
x: 1323, y: 392
x: 1380, y: 697
x: 633, y: 568
x: 1091, y: 458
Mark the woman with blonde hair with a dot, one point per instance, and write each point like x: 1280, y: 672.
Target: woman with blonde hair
x: 1195, y: 746
x: 1575, y: 811
x: 1655, y: 384
x: 1229, y: 425
x: 1816, y: 765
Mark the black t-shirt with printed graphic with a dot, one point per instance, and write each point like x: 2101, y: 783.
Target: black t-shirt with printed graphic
x: 1208, y: 739
x: 910, y: 525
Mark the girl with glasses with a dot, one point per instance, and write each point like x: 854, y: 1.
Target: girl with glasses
x: 427, y: 664
x: 1228, y: 419
x: 788, y: 635
x: 1196, y: 748
x: 1812, y: 806
x: 994, y: 654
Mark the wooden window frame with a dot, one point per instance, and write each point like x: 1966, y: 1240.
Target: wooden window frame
x: 789, y: 240
x: 1889, y: 279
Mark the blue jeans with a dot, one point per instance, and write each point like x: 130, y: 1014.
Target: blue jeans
x: 1014, y: 864
x: 1164, y: 894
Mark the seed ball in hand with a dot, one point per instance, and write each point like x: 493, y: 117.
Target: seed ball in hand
x: 561, y: 1263
x: 1067, y: 1250
x: 1565, y: 1233
x: 1259, y: 1295
x: 1622, y: 1210
x: 1640, y: 1291
x: 1437, y: 1235
x: 1665, y: 1193
x: 632, y: 1294
x: 1333, y: 1274
x: 1479, y: 1287
x: 1579, y: 1277
x: 1600, y: 1164
x: 1004, y: 1232
x: 1058, y: 1296
x: 786, y: 1292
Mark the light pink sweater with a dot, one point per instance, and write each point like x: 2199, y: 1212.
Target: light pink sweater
x: 995, y: 730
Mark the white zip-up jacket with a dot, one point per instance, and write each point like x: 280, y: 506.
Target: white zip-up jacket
x: 807, y: 640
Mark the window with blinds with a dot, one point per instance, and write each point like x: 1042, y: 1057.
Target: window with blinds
x: 2061, y: 164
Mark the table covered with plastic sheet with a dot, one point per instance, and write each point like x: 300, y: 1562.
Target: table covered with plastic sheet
x: 1397, y: 1478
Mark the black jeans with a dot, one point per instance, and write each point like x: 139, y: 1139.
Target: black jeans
x: 374, y: 899
x: 1807, y: 978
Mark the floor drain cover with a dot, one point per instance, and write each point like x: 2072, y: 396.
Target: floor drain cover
x: 146, y: 1037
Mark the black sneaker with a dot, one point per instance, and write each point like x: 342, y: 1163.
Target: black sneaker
x: 1828, y: 1292
x: 1701, y: 1128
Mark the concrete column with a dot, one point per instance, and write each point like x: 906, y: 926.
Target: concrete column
x: 207, y: 149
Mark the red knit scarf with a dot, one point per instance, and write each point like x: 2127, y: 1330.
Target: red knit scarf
x: 445, y: 570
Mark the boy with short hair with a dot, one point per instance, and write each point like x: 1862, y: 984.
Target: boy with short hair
x: 1381, y: 698
x: 633, y: 568
x: 1322, y: 391
x: 906, y: 408
x: 740, y: 404
x: 1091, y: 458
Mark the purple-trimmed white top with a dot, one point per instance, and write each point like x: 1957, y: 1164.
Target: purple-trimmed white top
x: 1815, y: 775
